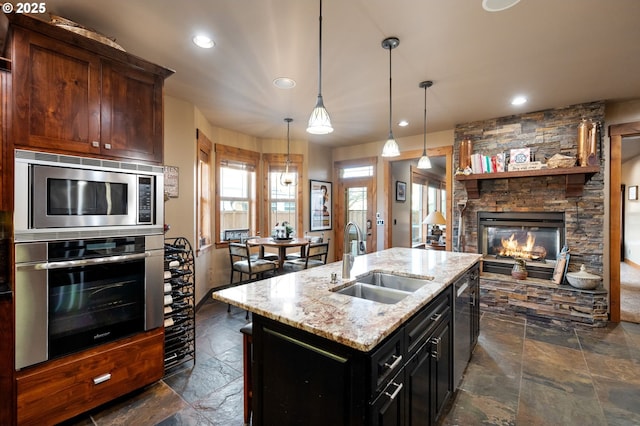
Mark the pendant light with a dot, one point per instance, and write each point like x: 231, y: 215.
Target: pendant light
x: 319, y: 121
x: 288, y: 178
x: 390, y: 148
x: 425, y: 162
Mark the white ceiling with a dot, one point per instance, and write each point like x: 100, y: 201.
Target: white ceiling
x: 555, y: 52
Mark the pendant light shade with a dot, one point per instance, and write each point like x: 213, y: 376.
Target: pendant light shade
x: 288, y: 178
x: 390, y: 148
x: 425, y: 162
x: 319, y: 121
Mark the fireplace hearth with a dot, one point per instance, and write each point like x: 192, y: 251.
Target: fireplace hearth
x: 536, y: 237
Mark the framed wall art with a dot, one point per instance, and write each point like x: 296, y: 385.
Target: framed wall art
x: 401, y: 191
x: 633, y: 192
x: 171, y: 176
x: 321, y: 203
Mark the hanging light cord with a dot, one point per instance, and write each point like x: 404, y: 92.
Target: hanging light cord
x: 288, y: 160
x: 424, y: 149
x: 320, y: 53
x: 390, y: 106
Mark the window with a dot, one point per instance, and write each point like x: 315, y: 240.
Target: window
x: 419, y: 199
x: 203, y: 185
x: 357, y: 172
x: 428, y: 194
x: 235, y: 190
x: 283, y: 203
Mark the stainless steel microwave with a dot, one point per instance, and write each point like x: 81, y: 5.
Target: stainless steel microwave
x: 85, y: 196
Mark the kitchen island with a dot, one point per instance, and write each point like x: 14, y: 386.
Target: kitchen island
x: 322, y: 357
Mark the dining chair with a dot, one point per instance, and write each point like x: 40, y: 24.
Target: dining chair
x: 242, y: 262
x: 260, y: 253
x: 314, y: 255
x: 313, y: 240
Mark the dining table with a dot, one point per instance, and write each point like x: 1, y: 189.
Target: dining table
x: 281, y: 244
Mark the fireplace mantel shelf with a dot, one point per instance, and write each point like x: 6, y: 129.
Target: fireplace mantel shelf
x: 575, y: 178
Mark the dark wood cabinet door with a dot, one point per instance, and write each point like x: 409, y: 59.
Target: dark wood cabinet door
x: 418, y: 371
x: 56, y: 95
x: 442, y: 368
x: 389, y: 407
x: 131, y: 113
x: 302, y: 384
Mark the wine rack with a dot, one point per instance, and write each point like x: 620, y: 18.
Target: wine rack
x: 179, y: 303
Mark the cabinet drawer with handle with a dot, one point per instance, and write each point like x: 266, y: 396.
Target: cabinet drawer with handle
x: 63, y: 388
x: 423, y: 324
x: 387, y: 361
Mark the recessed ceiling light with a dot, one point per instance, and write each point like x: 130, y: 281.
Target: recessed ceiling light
x: 403, y: 123
x: 203, y: 41
x: 498, y: 5
x: 284, y: 83
x: 518, y: 100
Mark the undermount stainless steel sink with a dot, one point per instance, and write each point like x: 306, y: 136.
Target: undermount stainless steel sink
x: 397, y: 282
x: 374, y: 293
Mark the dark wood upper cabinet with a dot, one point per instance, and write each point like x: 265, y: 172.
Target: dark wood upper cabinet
x: 78, y: 96
x: 131, y: 113
x: 56, y: 95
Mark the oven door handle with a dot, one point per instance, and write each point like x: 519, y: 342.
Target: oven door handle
x: 91, y: 261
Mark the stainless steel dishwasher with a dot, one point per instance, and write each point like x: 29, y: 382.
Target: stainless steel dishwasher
x: 463, y: 289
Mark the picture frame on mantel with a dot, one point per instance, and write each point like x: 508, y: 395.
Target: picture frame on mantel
x: 401, y: 191
x: 562, y: 264
x: 633, y: 192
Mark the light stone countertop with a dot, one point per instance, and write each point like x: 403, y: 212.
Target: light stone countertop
x: 304, y: 299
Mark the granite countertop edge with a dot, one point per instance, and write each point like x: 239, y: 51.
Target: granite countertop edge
x: 307, y: 299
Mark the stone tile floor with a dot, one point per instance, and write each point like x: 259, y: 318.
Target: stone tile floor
x: 521, y: 373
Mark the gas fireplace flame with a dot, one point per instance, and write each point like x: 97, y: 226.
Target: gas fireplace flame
x: 511, y: 247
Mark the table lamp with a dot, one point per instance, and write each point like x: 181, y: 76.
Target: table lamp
x: 435, y: 218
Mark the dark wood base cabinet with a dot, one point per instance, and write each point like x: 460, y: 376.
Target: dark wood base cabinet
x: 61, y: 389
x: 303, y: 379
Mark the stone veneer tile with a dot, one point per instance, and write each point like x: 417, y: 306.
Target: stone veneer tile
x: 537, y: 299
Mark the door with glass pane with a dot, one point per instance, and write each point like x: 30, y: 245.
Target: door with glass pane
x: 357, y: 201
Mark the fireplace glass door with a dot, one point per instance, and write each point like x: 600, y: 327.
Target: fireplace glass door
x: 536, y: 237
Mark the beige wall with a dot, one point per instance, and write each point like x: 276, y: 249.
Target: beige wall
x: 320, y: 167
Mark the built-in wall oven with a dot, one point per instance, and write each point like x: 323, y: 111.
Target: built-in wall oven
x: 74, y: 294
x: 89, y: 253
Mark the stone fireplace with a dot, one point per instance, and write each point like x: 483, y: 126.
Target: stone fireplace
x: 537, y: 214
